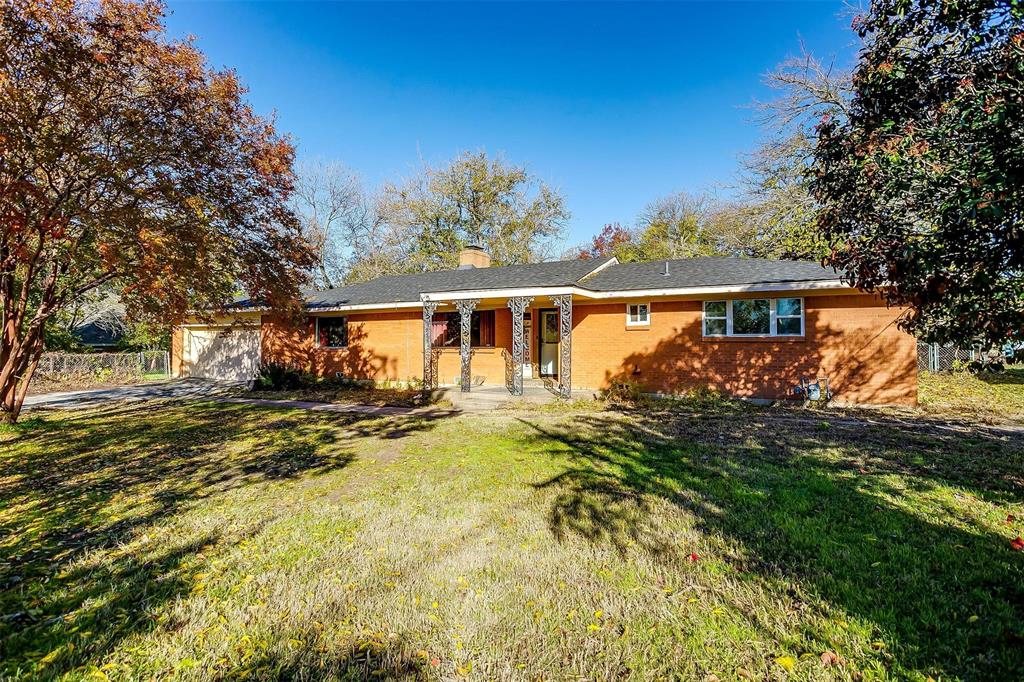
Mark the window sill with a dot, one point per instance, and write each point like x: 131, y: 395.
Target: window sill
x: 754, y: 339
x: 638, y: 327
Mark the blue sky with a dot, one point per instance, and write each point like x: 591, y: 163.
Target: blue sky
x: 615, y: 104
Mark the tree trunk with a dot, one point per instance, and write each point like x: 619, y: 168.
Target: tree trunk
x: 24, y: 359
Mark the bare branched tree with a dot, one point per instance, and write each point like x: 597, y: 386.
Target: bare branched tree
x: 777, y: 202
x: 334, y: 209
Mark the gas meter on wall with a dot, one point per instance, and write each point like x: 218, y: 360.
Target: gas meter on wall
x: 814, y: 389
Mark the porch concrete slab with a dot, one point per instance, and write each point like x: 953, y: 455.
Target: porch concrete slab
x: 486, y: 398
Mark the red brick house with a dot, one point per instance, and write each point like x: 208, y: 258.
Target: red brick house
x: 747, y: 327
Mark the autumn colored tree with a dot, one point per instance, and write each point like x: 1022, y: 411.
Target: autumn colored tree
x: 921, y: 185
x: 608, y: 242
x: 125, y: 161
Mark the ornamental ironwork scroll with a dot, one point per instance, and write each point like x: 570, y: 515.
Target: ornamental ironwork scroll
x: 518, y: 307
x: 564, y: 305
x: 465, y: 308
x: 429, y: 380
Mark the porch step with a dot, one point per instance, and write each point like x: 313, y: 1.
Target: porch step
x: 486, y: 398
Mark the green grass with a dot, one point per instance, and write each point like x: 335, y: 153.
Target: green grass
x: 228, y: 541
x: 988, y: 397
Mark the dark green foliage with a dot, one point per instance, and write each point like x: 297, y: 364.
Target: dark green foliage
x: 277, y: 376
x: 922, y: 187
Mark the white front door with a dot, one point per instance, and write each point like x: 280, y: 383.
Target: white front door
x: 548, y: 343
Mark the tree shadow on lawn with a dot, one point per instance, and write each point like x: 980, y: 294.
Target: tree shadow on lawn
x: 1011, y: 376
x: 842, y: 517
x: 75, y: 489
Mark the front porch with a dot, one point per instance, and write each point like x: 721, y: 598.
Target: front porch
x: 509, y: 340
x: 487, y: 397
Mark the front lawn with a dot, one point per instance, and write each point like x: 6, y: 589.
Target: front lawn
x: 231, y: 541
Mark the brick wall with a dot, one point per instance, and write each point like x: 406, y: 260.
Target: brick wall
x: 851, y: 339
x: 177, y: 350
x: 383, y: 346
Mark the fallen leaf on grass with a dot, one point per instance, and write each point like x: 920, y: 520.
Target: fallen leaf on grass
x: 787, y: 662
x: 1017, y: 544
x: 829, y: 658
x: 693, y: 556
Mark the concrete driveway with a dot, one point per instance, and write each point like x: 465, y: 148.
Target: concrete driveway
x: 198, y: 389
x: 176, y: 388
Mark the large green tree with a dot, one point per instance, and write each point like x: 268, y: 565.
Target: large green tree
x: 127, y: 163
x: 921, y: 186
x: 474, y: 199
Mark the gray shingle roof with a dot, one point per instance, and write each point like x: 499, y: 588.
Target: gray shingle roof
x: 706, y: 272
x: 407, y: 288
x: 686, y: 273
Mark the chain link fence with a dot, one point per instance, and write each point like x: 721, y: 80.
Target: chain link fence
x: 87, y: 368
x: 931, y: 357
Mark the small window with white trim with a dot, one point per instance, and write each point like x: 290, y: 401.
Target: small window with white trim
x: 716, y: 320
x: 332, y: 332
x: 754, y: 317
x: 638, y: 314
x: 789, y: 316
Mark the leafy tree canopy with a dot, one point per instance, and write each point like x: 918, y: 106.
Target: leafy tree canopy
x: 921, y: 186
x: 475, y: 199
x: 126, y: 161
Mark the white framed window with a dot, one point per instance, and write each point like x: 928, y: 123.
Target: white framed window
x: 789, y: 316
x: 638, y: 314
x: 332, y: 332
x: 716, y: 318
x: 754, y: 317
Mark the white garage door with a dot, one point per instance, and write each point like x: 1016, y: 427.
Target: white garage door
x: 226, y: 354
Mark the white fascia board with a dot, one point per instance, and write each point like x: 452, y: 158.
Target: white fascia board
x: 442, y: 296
x: 715, y: 290
x: 363, y: 306
x: 607, y: 264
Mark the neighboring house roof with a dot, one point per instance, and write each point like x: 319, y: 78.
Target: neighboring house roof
x: 602, y: 277
x: 97, y: 334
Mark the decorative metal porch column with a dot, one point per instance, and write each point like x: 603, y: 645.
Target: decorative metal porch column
x: 429, y: 380
x: 518, y: 307
x: 466, y: 308
x: 564, y: 305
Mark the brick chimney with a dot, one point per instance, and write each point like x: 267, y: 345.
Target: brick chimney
x: 473, y: 256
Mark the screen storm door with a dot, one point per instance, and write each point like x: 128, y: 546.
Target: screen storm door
x: 548, y: 349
